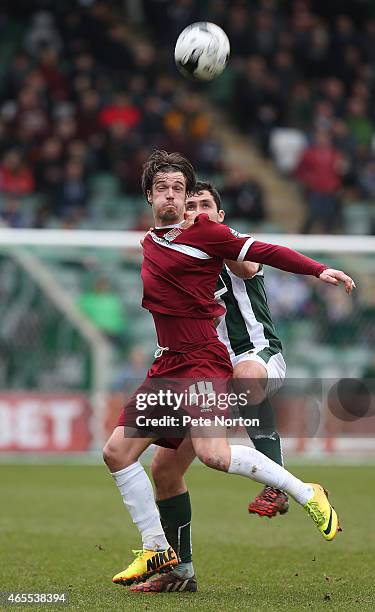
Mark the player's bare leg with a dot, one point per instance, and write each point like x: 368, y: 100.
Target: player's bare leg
x: 254, y: 376
x: 121, y: 455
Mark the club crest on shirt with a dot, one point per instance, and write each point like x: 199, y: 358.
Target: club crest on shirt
x: 238, y: 234
x: 234, y: 232
x: 172, y: 234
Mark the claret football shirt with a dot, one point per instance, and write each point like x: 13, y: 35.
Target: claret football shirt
x: 181, y: 267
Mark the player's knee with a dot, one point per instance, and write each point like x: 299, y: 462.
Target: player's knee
x: 109, y: 454
x: 250, y: 377
x: 211, y: 458
x: 115, y: 458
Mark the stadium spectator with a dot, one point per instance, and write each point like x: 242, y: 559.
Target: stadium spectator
x: 88, y: 115
x: 122, y: 111
x: 209, y: 154
x: 42, y: 34
x: 319, y: 170
x: 16, y: 177
x: 30, y: 120
x: 300, y: 107
x: 66, y: 130
x: 237, y: 28
x: 11, y: 214
x: 338, y: 322
x: 132, y: 371
x: 367, y: 179
x: 19, y: 68
x: 243, y: 196
x: 84, y: 68
x: 121, y: 145
x: 49, y: 169
x: 55, y: 79
x: 73, y: 192
x: 154, y: 109
x: 103, y: 307
x: 294, y: 302
x: 358, y: 122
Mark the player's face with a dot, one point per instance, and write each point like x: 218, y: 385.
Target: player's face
x: 203, y: 202
x: 168, y: 197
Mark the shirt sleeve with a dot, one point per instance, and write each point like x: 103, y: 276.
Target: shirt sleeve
x: 283, y: 258
x: 222, y: 241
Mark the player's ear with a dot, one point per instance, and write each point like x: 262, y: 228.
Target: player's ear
x: 149, y: 197
x: 221, y: 216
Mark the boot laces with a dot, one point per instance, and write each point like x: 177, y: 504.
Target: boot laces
x: 138, y: 554
x: 315, y: 512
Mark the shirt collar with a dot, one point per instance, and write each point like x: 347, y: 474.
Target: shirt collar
x: 169, y: 226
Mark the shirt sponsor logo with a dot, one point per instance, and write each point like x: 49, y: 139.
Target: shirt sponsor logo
x: 172, y: 234
x: 159, y: 239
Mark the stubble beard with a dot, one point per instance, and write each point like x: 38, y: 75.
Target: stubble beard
x: 169, y: 215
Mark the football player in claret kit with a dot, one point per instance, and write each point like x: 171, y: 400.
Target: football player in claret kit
x: 180, y: 270
x: 248, y: 332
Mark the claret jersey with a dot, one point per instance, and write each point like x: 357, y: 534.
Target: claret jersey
x: 181, y: 267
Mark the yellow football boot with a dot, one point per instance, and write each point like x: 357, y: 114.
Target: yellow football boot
x: 145, y: 564
x: 322, y: 513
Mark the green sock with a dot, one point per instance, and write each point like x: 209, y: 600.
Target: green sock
x: 265, y: 438
x: 175, y: 515
x: 270, y: 446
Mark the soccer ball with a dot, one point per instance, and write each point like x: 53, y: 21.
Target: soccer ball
x: 202, y: 51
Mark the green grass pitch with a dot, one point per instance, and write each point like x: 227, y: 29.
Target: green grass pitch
x: 64, y: 528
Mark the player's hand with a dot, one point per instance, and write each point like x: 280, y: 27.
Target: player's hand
x: 335, y: 277
x: 143, y: 239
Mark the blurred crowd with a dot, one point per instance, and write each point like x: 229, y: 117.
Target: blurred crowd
x: 90, y: 87
x: 85, y: 94
x: 303, y: 65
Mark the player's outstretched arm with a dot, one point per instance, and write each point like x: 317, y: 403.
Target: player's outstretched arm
x: 292, y: 261
x: 221, y: 241
x: 244, y: 269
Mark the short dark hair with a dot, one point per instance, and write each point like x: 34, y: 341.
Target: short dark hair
x: 207, y: 186
x: 162, y: 161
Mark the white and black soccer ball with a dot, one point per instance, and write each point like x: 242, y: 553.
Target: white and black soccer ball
x: 202, y: 51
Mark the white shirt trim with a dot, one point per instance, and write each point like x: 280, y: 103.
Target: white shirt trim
x: 168, y: 226
x: 181, y: 248
x: 255, y: 328
x: 245, y: 249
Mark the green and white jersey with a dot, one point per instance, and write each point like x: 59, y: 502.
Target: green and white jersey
x: 247, y: 324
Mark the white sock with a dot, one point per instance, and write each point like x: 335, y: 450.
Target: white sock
x: 138, y: 496
x: 253, y: 464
